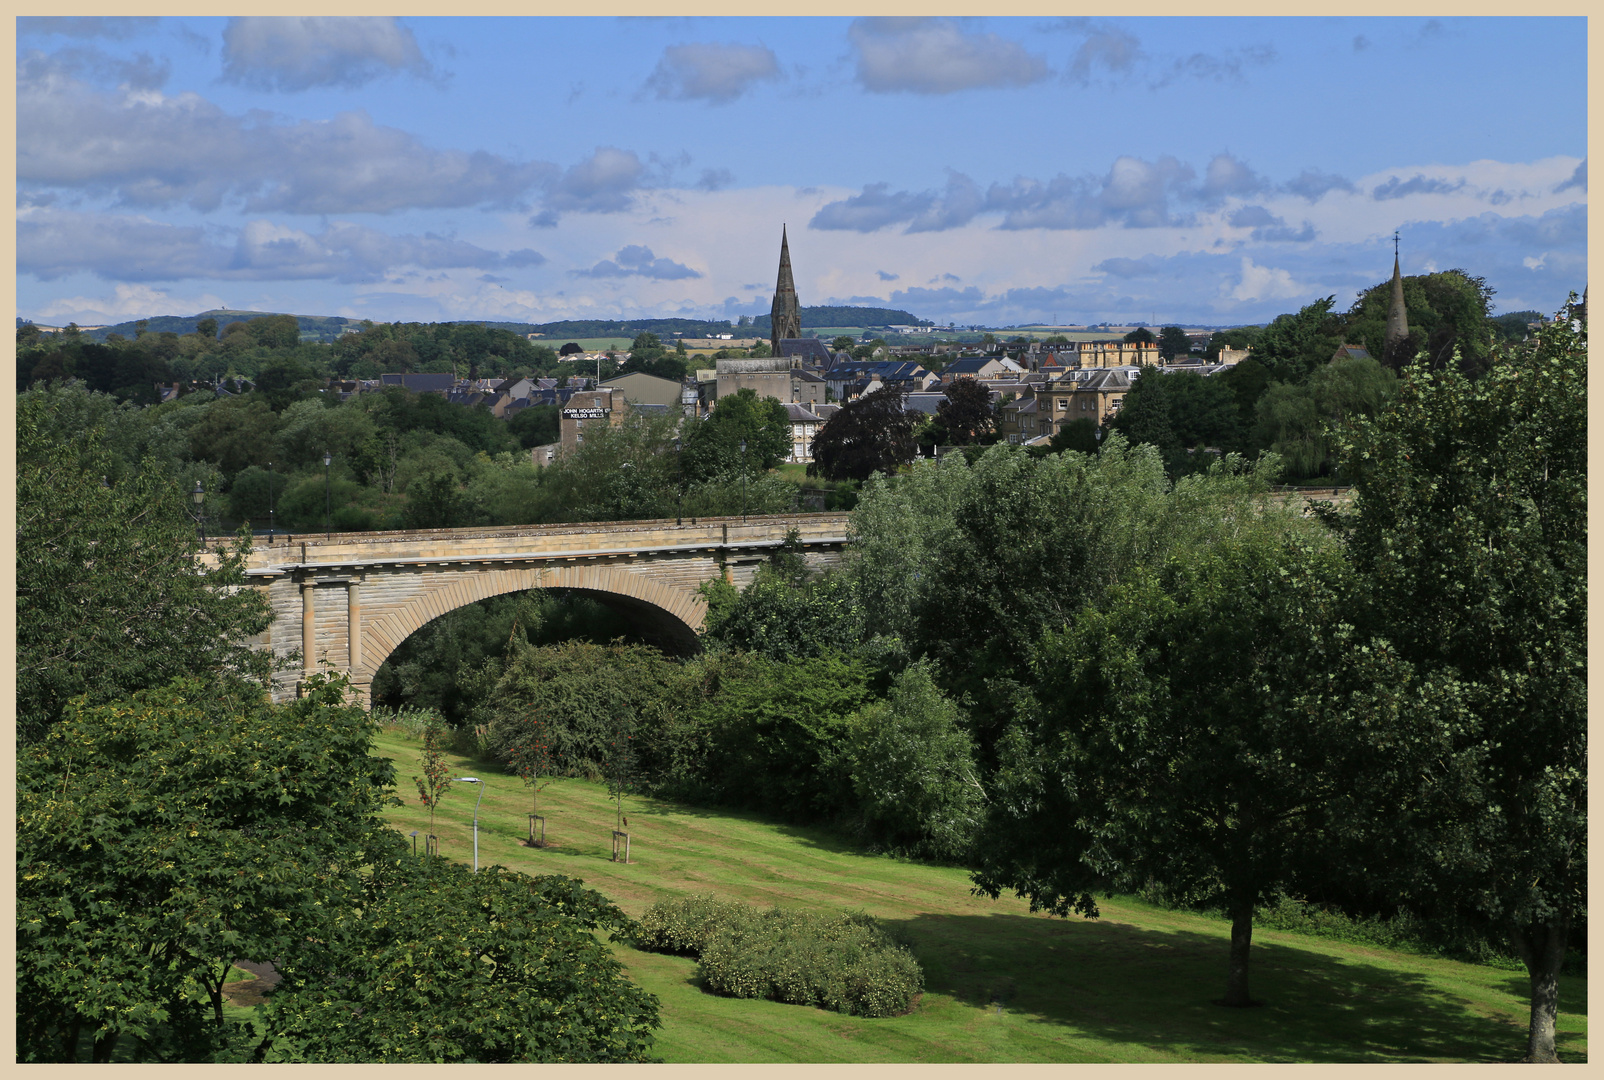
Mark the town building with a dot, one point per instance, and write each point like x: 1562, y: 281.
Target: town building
x: 587, y: 408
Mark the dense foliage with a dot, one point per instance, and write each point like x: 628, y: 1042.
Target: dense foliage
x: 844, y: 962
x: 869, y: 435
x: 1469, y: 536
x: 109, y: 596
x: 162, y: 836
x: 435, y: 963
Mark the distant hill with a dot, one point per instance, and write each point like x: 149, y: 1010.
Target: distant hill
x: 329, y: 327
x: 594, y: 328
x: 313, y: 327
x: 848, y: 316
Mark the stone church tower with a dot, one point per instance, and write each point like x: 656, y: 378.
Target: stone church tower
x: 1393, y: 352
x: 784, y: 313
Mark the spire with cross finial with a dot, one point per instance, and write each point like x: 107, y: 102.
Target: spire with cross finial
x: 1397, y: 338
x: 785, y: 315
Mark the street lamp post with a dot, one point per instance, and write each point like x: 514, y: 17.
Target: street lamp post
x: 743, y: 481
x: 328, y: 531
x: 198, y: 497
x: 481, y: 783
x: 679, y: 486
x: 270, y: 522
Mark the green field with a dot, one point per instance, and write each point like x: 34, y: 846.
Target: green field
x: 1002, y: 985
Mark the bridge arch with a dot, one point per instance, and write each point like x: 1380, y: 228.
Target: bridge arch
x: 670, y: 617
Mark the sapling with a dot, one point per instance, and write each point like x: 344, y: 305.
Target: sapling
x: 436, y: 779
x: 531, y: 760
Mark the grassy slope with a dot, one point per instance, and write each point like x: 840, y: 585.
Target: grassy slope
x: 1002, y: 985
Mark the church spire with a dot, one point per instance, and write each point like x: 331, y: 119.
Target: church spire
x: 1397, y: 316
x: 785, y: 316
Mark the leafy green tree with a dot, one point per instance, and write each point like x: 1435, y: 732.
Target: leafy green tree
x: 913, y: 770
x: 872, y: 434
x: 236, y: 433
x: 1449, y: 320
x: 1142, y: 336
x: 1247, y: 379
x: 1173, y: 342
x: 1469, y: 535
x: 435, y: 501
x: 966, y: 412
x: 284, y: 380
x: 777, y: 734
x: 1204, y: 732
x: 1144, y: 416
x: 275, y: 331
x: 1301, y: 423
x: 1290, y: 423
x: 537, y: 425
x: 309, y: 429
x: 712, y: 447
x: 952, y: 558
x: 782, y: 618
x: 1294, y: 345
x: 843, y: 342
x: 579, y: 690
x: 438, y: 964
x: 162, y: 836
x: 110, y: 598
x: 1078, y: 435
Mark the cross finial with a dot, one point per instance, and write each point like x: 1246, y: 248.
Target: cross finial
x: 1395, y: 243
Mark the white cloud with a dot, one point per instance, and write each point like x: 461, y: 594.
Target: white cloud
x: 53, y: 243
x: 711, y: 72
x: 126, y: 302
x: 1104, y: 46
x: 1228, y: 176
x: 149, y: 149
x: 637, y: 260
x: 936, y: 56
x: 290, y: 53
x: 603, y: 183
x: 1262, y: 283
x: 117, y: 27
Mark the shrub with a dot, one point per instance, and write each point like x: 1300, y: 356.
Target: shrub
x: 681, y: 927
x: 846, y: 962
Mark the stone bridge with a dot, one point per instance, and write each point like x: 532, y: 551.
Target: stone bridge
x: 348, y: 600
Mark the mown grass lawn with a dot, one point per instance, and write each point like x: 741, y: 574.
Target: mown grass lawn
x: 1002, y: 985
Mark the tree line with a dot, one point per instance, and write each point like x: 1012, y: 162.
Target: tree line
x: 1077, y: 674
x: 1073, y: 673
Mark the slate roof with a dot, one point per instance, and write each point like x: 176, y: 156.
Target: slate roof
x: 421, y: 382
x: 808, y: 348
x: 1351, y: 352
x: 969, y: 365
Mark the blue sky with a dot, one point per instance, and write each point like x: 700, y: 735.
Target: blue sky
x: 999, y: 171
